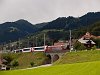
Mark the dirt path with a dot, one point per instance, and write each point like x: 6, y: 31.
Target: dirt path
x: 38, y: 66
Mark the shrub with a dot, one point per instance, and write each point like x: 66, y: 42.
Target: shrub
x: 15, y: 63
x: 32, y: 64
x: 7, y: 59
x: 79, y: 46
x: 94, y: 48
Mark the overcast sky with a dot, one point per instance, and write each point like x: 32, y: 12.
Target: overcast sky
x: 37, y: 11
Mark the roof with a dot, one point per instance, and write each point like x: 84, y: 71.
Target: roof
x: 60, y: 43
x: 85, y: 41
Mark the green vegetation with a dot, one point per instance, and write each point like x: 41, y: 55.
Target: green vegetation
x: 15, y: 63
x: 22, y: 60
x: 32, y: 64
x: 72, y: 63
x: 55, y: 30
x: 53, y: 35
x: 93, y: 48
x: 79, y: 46
x: 97, y: 41
x: 80, y: 56
x: 88, y: 22
x: 87, y: 68
x: 8, y: 58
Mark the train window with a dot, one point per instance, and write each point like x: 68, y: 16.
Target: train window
x: 20, y: 50
x: 26, y: 49
x: 39, y: 48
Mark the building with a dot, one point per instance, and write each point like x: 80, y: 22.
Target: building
x: 64, y: 45
x: 86, y: 40
x: 60, y: 43
x: 3, y: 67
x: 89, y: 36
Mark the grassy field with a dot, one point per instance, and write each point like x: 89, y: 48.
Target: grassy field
x: 72, y: 63
x: 79, y: 57
x: 24, y: 59
x: 86, y: 68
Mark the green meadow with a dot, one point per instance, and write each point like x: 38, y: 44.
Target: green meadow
x: 87, y: 68
x: 72, y: 63
x: 24, y: 59
x: 79, y: 57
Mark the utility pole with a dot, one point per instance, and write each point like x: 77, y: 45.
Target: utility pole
x: 28, y: 43
x: 36, y: 41
x: 70, y: 40
x: 19, y: 43
x: 33, y: 42
x: 10, y: 45
x: 44, y: 39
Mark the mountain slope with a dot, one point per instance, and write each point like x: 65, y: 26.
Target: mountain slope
x: 73, y: 22
x: 14, y: 30
x: 21, y: 28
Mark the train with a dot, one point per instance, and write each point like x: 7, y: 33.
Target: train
x: 40, y: 49
x: 30, y: 49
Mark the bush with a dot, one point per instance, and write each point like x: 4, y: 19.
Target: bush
x: 79, y: 46
x: 94, y: 48
x: 15, y: 63
x: 32, y: 64
x: 7, y: 59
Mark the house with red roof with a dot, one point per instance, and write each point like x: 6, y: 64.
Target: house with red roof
x: 86, y: 40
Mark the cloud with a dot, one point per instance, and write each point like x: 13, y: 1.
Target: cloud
x: 1, y: 1
x: 37, y: 11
